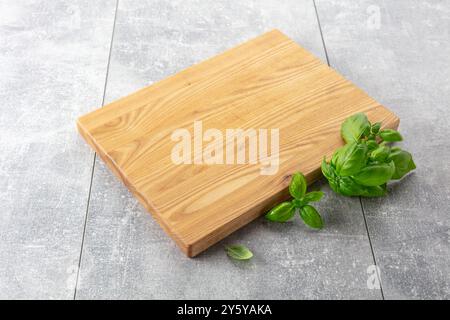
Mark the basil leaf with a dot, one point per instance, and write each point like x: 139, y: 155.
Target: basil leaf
x: 366, y: 132
x: 390, y: 135
x: 239, y: 252
x: 375, y: 174
x: 352, y: 159
x: 354, y: 127
x: 282, y: 212
x: 313, y: 196
x: 327, y: 170
x: 403, y: 163
x: 297, y: 187
x: 411, y: 165
x: 298, y: 203
x: 376, y: 127
x: 380, y: 154
x: 376, y: 191
x: 336, y: 156
x: 334, y: 185
x: 348, y: 187
x: 372, y: 145
x: 311, y: 217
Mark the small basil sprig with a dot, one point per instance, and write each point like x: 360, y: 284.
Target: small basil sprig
x: 286, y: 210
x: 366, y: 163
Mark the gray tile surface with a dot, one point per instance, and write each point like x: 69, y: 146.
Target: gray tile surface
x: 404, y: 62
x: 53, y: 58
x: 127, y: 255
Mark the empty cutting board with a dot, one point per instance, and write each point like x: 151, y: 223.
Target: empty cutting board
x: 269, y: 83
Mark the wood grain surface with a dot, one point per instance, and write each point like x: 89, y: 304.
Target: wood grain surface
x: 268, y: 82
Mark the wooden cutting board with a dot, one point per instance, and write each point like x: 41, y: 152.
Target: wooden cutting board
x: 268, y: 83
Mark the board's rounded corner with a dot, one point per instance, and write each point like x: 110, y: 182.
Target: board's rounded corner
x: 276, y: 30
x: 188, y: 249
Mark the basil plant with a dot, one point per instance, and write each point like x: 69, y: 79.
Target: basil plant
x: 367, y: 162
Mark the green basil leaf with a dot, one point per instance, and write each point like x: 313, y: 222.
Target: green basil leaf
x: 375, y: 174
x: 297, y: 187
x: 334, y: 185
x: 411, y: 165
x: 352, y: 159
x: 336, y: 156
x: 298, y: 203
x: 239, y: 252
x: 326, y: 169
x: 354, y: 127
x: 348, y: 187
x: 372, y: 145
x: 390, y: 135
x: 380, y: 154
x: 313, y: 196
x: 311, y: 217
x: 366, y: 132
x: 403, y: 163
x: 376, y: 127
x: 376, y: 191
x: 282, y: 212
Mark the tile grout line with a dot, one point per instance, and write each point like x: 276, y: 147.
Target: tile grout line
x: 84, y: 226
x: 371, y: 247
x: 321, y: 34
x: 360, y: 200
x: 95, y: 154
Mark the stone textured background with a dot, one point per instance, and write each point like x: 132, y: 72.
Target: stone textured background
x: 69, y: 229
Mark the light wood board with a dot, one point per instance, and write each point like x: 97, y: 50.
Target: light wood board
x: 269, y: 82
